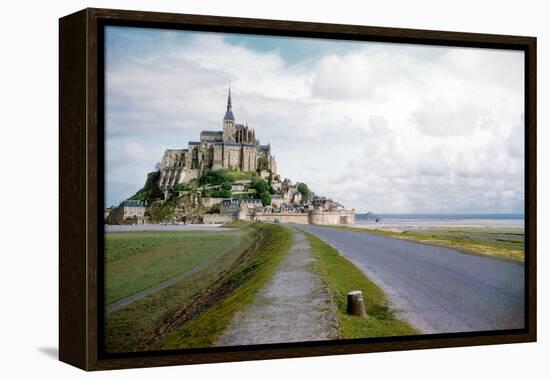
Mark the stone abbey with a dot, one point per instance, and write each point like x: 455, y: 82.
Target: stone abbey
x: 261, y: 196
x: 234, y: 147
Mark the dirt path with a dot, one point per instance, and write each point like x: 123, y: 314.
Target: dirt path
x: 294, y: 306
x: 124, y: 302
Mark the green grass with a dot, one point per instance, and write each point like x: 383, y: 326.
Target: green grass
x: 225, y: 175
x: 252, y: 275
x: 127, y: 329
x: 239, y: 175
x: 342, y: 277
x: 504, y: 243
x: 137, y: 260
x: 151, y: 189
x: 160, y: 212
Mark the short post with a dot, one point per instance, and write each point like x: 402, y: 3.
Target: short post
x: 356, y: 306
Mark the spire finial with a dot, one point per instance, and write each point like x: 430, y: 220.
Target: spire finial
x: 229, y: 112
x: 229, y: 97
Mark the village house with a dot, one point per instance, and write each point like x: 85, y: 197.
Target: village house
x: 128, y: 212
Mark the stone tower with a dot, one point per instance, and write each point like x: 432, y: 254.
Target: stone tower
x: 229, y: 121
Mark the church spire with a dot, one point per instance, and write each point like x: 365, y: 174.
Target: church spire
x: 229, y: 111
x: 229, y: 97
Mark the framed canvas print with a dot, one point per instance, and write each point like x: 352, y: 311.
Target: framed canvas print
x: 238, y: 189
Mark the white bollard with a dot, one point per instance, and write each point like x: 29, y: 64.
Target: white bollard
x: 356, y: 306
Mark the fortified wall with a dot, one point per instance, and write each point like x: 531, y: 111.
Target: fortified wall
x: 316, y: 217
x: 283, y: 218
x: 217, y: 219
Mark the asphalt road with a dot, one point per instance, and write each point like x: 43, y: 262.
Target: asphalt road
x: 436, y: 289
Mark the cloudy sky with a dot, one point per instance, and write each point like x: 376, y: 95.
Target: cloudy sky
x: 387, y: 128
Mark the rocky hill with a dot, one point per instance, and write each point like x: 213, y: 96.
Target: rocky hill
x: 188, y: 202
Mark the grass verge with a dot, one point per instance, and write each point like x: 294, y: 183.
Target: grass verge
x: 342, y: 277
x: 503, y: 243
x: 243, y: 281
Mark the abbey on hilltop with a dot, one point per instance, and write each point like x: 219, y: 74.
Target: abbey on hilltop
x: 234, y: 147
x: 227, y: 176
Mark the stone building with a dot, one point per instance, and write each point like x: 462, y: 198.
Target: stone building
x: 321, y: 202
x: 234, y: 206
x: 292, y: 195
x: 230, y: 207
x: 128, y: 212
x: 277, y: 201
x: 238, y: 188
x: 107, y: 213
x: 234, y: 147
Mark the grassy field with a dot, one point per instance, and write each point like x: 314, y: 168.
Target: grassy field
x: 241, y: 261
x: 247, y: 278
x: 504, y: 243
x: 342, y: 277
x: 128, y: 328
x: 137, y: 260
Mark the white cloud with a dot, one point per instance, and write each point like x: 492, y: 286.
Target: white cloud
x: 380, y: 127
x: 438, y: 118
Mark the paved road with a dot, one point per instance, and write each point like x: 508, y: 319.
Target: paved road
x: 294, y: 306
x: 439, y: 290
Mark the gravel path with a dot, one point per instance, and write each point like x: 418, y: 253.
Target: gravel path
x: 294, y: 306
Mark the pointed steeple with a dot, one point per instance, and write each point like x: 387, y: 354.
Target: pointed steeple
x: 229, y: 97
x: 229, y: 111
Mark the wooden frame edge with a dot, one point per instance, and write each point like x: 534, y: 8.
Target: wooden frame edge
x: 72, y: 194
x: 78, y: 183
x: 531, y: 180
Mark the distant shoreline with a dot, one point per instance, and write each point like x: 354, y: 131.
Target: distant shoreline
x: 443, y: 216
x: 415, y: 224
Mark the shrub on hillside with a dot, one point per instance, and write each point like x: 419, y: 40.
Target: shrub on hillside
x: 304, y: 190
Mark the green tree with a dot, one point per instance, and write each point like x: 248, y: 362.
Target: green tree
x: 214, y: 209
x: 181, y: 187
x: 266, y: 198
x: 213, y: 177
x: 218, y: 193
x: 150, y: 190
x: 302, y: 188
x: 263, y: 189
x: 260, y: 185
x: 263, y: 163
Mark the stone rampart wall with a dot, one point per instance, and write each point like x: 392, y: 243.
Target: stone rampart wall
x: 313, y: 217
x: 217, y: 219
x: 283, y: 218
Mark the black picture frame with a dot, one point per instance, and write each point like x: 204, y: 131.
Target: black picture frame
x: 81, y: 185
